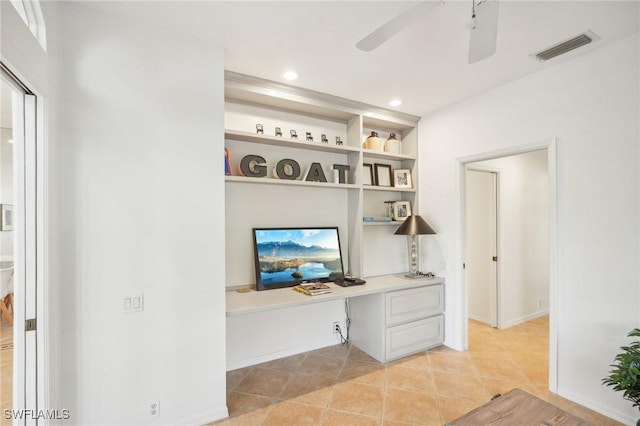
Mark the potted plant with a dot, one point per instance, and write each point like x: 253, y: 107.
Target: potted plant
x: 625, y: 375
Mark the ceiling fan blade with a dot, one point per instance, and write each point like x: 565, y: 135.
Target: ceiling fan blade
x: 395, y: 25
x: 484, y: 34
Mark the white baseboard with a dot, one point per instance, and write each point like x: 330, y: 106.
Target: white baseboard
x: 523, y: 319
x: 482, y: 320
x: 234, y: 365
x: 207, y: 417
x: 595, y: 406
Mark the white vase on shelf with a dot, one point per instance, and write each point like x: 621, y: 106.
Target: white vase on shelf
x: 373, y: 142
x: 392, y: 145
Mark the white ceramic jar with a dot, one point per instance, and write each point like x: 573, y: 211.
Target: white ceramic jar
x: 373, y: 142
x: 392, y: 145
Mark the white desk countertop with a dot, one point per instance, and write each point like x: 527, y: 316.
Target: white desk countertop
x: 256, y: 301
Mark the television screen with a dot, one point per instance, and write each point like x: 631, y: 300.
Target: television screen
x: 285, y: 257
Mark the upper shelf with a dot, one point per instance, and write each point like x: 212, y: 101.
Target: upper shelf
x: 288, y: 143
x: 314, y: 146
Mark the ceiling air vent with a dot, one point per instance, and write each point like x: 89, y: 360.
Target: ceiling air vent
x: 566, y: 46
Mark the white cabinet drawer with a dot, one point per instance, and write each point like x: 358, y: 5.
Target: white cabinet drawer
x: 414, y: 303
x: 412, y: 337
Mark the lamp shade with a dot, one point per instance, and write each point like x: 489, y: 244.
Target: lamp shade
x: 414, y: 225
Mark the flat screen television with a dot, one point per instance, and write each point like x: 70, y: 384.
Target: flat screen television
x: 285, y: 257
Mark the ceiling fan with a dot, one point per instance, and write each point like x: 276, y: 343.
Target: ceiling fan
x: 484, y: 27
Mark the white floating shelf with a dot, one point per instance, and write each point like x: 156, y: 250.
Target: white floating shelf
x: 289, y: 143
x: 272, y: 181
x: 392, y: 223
x: 385, y: 155
x: 387, y: 188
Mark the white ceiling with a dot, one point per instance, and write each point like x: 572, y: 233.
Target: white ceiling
x: 425, y: 65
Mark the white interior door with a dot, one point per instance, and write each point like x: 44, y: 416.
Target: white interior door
x: 481, y: 260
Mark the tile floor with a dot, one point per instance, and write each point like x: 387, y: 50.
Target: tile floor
x: 6, y: 369
x: 341, y: 385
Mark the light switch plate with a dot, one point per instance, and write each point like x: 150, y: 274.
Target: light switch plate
x: 133, y: 303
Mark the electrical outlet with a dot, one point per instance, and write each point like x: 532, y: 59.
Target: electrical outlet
x: 153, y: 407
x: 539, y: 303
x: 336, y: 327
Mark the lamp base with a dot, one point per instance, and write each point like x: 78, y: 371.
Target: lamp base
x: 416, y: 275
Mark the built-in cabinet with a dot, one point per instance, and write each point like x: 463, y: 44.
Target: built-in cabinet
x: 393, y: 324
x: 392, y: 316
x: 369, y: 248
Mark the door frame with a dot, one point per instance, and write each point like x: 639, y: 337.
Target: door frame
x: 460, y: 304
x: 36, y: 171
x: 498, y: 295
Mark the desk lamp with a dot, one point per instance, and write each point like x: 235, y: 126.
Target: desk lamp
x: 413, y: 226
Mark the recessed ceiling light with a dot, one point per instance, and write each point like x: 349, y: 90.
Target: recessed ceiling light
x: 290, y: 75
x: 395, y: 102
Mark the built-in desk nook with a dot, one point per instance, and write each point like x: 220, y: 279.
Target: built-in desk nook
x: 302, y: 159
x: 391, y: 317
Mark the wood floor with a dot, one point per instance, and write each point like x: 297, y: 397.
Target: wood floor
x: 341, y: 385
x: 6, y: 369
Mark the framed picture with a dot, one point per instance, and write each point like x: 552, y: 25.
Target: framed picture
x: 402, y: 178
x: 401, y: 210
x: 367, y: 174
x: 6, y: 210
x: 383, y: 174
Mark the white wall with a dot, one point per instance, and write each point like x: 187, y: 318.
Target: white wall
x: 591, y: 103
x: 523, y: 246
x: 138, y: 206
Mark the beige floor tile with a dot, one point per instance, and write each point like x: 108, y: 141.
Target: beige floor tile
x: 498, y: 369
x: 356, y: 354
x: 290, y: 364
x: 312, y: 390
x: 364, y: 372
x: 341, y: 418
x: 342, y: 385
x: 292, y: 413
x: 460, y: 386
x: 240, y: 403
x: 234, y: 377
x: 411, y: 407
x: 410, y: 379
x: 323, y: 366
x: 418, y: 361
x: 335, y: 351
x: 263, y: 382
x: 457, y: 363
x: 358, y: 398
x: 451, y: 407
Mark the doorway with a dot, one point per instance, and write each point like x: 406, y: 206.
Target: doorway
x: 6, y: 248
x: 22, y: 249
x: 516, y: 285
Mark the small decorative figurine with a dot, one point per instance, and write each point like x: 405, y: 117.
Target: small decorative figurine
x: 323, y: 138
x: 259, y: 129
x: 278, y: 131
x: 338, y: 140
x: 294, y: 134
x: 309, y: 137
